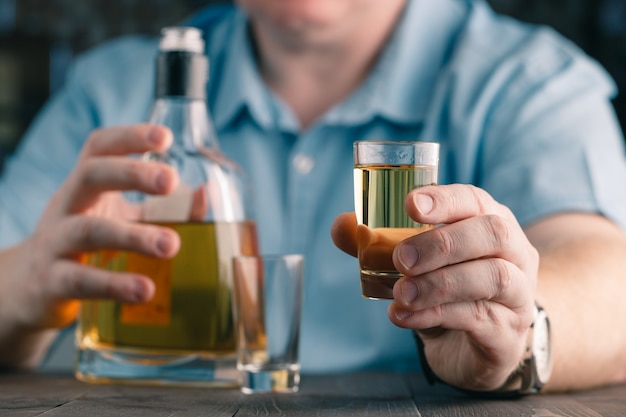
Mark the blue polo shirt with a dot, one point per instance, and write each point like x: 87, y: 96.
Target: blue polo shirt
x: 518, y: 111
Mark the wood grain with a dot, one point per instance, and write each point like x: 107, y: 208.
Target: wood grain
x: 359, y: 394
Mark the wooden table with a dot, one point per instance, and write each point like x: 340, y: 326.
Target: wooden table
x: 364, y: 394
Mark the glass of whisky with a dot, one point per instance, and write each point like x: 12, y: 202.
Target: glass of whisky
x: 268, y: 302
x: 384, y: 173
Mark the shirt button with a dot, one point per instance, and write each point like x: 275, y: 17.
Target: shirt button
x: 303, y: 164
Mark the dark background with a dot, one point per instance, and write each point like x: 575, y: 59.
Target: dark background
x: 39, y: 38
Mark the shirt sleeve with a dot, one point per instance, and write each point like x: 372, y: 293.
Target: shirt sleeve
x: 552, y: 141
x: 529, y: 119
x: 43, y: 159
x: 109, y: 85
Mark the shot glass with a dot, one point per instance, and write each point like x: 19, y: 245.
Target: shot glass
x: 267, y: 308
x: 384, y: 173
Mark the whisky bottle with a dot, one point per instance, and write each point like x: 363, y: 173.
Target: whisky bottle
x: 185, y: 334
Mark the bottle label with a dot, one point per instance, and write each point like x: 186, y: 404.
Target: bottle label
x: 174, y: 207
x: 156, y: 311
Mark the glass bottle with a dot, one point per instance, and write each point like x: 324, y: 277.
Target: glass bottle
x: 185, y: 334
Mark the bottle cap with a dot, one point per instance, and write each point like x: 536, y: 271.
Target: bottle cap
x: 181, y: 38
x: 182, y: 66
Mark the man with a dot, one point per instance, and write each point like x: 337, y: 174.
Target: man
x: 530, y: 206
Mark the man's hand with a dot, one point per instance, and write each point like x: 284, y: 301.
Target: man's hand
x: 469, y: 284
x: 88, y: 213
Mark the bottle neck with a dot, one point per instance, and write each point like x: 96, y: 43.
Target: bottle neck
x: 181, y: 80
x: 181, y: 73
x: 189, y: 121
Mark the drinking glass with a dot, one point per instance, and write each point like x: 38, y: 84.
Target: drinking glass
x: 268, y: 302
x: 384, y: 173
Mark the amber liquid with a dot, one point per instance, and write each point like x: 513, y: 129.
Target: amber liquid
x: 380, y: 192
x: 191, y: 310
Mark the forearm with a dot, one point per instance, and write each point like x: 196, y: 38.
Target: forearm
x: 24, y: 350
x: 21, y: 345
x: 582, y: 281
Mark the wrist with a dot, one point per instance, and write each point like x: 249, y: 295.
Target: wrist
x: 533, y: 371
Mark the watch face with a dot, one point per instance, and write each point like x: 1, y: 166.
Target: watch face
x: 541, y: 347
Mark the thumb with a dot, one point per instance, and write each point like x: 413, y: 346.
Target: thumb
x: 343, y: 233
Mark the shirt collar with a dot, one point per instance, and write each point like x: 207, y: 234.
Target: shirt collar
x: 401, y: 84
x: 241, y: 87
x: 398, y: 88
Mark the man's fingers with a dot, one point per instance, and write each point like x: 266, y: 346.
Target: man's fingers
x: 97, y: 175
x: 124, y: 140
x: 430, y: 205
x: 103, y: 165
x: 68, y: 279
x: 121, y: 173
x: 343, y: 233
x: 477, y: 237
x: 473, y: 225
x: 489, y: 279
x: 88, y: 233
x: 199, y: 204
x: 451, y: 203
x: 500, y: 281
x: 476, y: 317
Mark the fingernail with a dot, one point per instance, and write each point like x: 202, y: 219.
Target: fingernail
x: 162, y: 181
x: 408, y: 292
x: 424, y: 203
x: 140, y: 292
x: 408, y: 255
x: 155, y: 136
x: 401, y: 315
x: 164, y: 244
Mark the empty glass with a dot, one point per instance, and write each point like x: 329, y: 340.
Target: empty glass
x: 268, y: 304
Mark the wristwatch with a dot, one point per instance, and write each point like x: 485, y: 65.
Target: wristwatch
x: 535, y: 367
